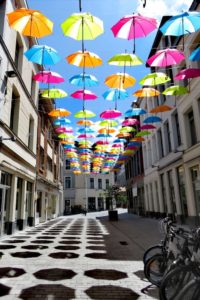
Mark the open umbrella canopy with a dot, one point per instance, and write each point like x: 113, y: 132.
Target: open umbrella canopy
x: 146, y: 92
x: 84, y: 114
x: 166, y: 57
x: 143, y: 133
x: 123, y: 134
x: 147, y: 127
x: 120, y: 80
x: 127, y: 129
x: 187, y: 74
x: 175, y: 90
x: 85, y: 122
x: 160, y: 109
x: 30, y: 22
x: 154, y: 79
x: 134, y: 112
x: 85, y: 136
x: 84, y: 59
x: 125, y: 59
x: 61, y: 121
x: 59, y: 112
x: 84, y: 80
x: 48, y: 77
x: 86, y: 130
x: 110, y: 123
x: 130, y: 122
x: 110, y: 114
x: 42, y: 55
x: 138, y: 138
x: 115, y: 94
x: 84, y: 95
x: 103, y: 135
x: 152, y: 119
x: 82, y: 26
x: 53, y: 93
x: 107, y: 130
x: 195, y: 55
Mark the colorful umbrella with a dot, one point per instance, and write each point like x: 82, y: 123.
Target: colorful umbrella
x: 110, y: 114
x: 53, y: 94
x: 84, y: 80
x: 84, y: 95
x: 84, y: 59
x: 175, y: 90
x: 127, y: 129
x: 30, y: 22
x: 139, y: 138
x: 134, y: 112
x: 65, y: 136
x: 146, y: 92
x: 107, y: 130
x: 154, y: 79
x: 152, y: 119
x: 130, y: 122
x: 42, y: 55
x: 59, y: 112
x: 119, y: 141
x: 63, y: 130
x: 160, y: 109
x: 166, y: 57
x: 187, y: 74
x: 125, y: 60
x: 84, y: 114
x: 85, y: 136
x: 86, y: 130
x: 113, y: 94
x: 120, y: 80
x: 110, y: 123
x: 134, y: 26
x: 60, y: 121
x: 85, y: 122
x: 48, y: 77
x: 195, y: 55
x: 147, y: 127
x: 123, y: 134
x: 104, y: 135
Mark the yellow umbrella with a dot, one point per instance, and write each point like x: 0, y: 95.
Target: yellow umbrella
x: 67, y: 142
x: 30, y: 22
x: 146, y: 92
x: 84, y: 59
x: 59, y: 112
x: 77, y: 172
x: 85, y: 122
x: 120, y: 80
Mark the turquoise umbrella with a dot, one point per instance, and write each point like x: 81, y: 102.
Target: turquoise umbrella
x: 42, y: 55
x: 84, y: 80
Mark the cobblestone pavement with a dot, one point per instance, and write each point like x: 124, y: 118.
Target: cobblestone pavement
x: 79, y: 257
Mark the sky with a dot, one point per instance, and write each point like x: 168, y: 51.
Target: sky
x: 106, y: 45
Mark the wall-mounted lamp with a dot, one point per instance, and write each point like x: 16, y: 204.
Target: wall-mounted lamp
x: 12, y: 138
x: 11, y: 74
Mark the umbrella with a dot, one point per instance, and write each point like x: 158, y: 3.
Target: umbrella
x: 139, y: 138
x: 86, y: 130
x: 184, y: 23
x: 84, y: 59
x: 187, y: 74
x: 120, y: 80
x: 123, y: 134
x: 85, y: 122
x: 84, y: 114
x: 113, y: 94
x: 102, y: 143
x: 42, y: 55
x: 30, y: 22
x: 84, y: 95
x: 85, y: 136
x: 84, y: 80
x: 152, y: 119
x: 104, y: 135
x: 154, y: 79
x: 195, y: 55
x: 82, y: 26
x: 65, y: 136
x: 147, y: 127
x: 59, y: 112
x: 166, y: 57
x: 110, y: 123
x: 134, y: 26
x: 60, y: 121
x: 160, y: 109
x: 146, y: 92
x: 119, y: 141
x: 130, y: 122
x: 110, y: 114
x: 125, y: 60
x: 107, y: 130
x: 127, y: 129
x: 134, y: 112
x: 53, y: 93
x: 63, y: 130
x: 175, y: 90
x: 48, y: 77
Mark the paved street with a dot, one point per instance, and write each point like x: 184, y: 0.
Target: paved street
x: 79, y: 257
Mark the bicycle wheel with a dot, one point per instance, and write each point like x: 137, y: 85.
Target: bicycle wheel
x: 155, y: 268
x: 174, y: 281
x: 149, y: 253
x: 191, y: 291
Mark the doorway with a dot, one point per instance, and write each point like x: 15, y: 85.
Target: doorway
x: 67, y: 208
x: 3, y: 209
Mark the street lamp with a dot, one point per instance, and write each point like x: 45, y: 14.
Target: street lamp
x: 12, y: 138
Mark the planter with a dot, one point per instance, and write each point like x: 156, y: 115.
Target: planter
x: 113, y: 215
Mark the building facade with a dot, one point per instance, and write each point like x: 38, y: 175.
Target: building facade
x: 18, y: 126
x: 172, y: 152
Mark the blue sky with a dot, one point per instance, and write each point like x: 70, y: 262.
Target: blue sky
x: 110, y: 11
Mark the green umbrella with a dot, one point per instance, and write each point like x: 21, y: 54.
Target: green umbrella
x: 154, y: 79
x: 54, y: 93
x: 65, y: 136
x: 110, y: 123
x: 84, y: 114
x: 127, y: 129
x: 143, y: 133
x: 125, y: 59
x: 175, y: 90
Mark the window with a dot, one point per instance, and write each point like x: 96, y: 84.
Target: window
x: 168, y: 138
x: 107, y: 183
x: 67, y: 182
x: 99, y: 183
x: 162, y: 97
x: 163, y: 186
x: 160, y: 143
x: 92, y: 183
x: 41, y: 158
x: 172, y: 192
x: 33, y: 89
x: 49, y: 164
x: 19, y: 53
x: 178, y: 135
x: 182, y: 195
x: 195, y: 183
x: 192, y: 129
x: 31, y: 133
x: 14, y: 112
x: 67, y: 164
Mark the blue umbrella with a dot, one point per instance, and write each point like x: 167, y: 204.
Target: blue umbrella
x: 61, y: 121
x: 103, y: 135
x: 84, y: 150
x: 120, y: 141
x: 152, y: 119
x: 84, y: 80
x: 137, y: 144
x: 86, y: 130
x: 134, y: 112
x: 42, y: 55
x: 115, y: 94
x: 195, y: 55
x: 66, y: 146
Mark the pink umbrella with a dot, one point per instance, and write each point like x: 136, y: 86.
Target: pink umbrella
x: 129, y: 122
x: 102, y: 143
x: 84, y: 95
x: 86, y: 136
x: 117, y: 145
x: 48, y: 77
x: 70, y: 150
x: 166, y: 57
x: 187, y: 74
x: 110, y: 114
x: 147, y: 127
x: 63, y: 129
x: 134, y: 26
x: 131, y: 148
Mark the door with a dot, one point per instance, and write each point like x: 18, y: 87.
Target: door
x: 67, y: 208
x: 2, y: 199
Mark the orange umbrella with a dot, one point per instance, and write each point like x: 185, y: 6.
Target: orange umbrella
x: 85, y: 122
x: 123, y: 134
x: 161, y: 108
x: 59, y: 112
x: 107, y: 130
x: 120, y: 80
x: 30, y: 22
x: 137, y: 139
x: 67, y: 142
x: 146, y: 92
x: 84, y: 59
